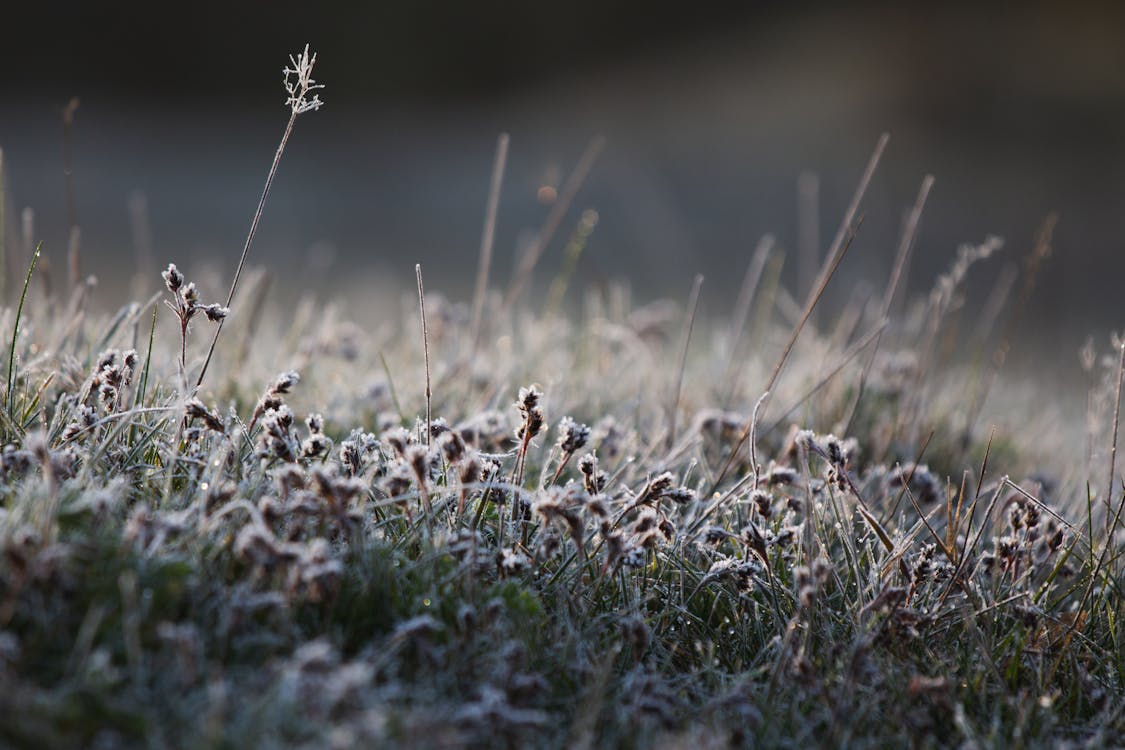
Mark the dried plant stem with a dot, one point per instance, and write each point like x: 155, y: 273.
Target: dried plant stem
x: 742, y: 307
x: 249, y: 239
x: 689, y: 323
x: 1113, y: 444
x: 488, y: 236
x: 1040, y: 251
x: 68, y: 161
x: 16, y: 328
x: 808, y: 229
x: 849, y: 354
x: 840, y: 244
x: 902, y: 256
x: 3, y: 232
x: 818, y: 293
x: 554, y: 218
x: 1111, y: 523
x: 425, y: 346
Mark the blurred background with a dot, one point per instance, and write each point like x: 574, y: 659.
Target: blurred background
x: 711, y: 113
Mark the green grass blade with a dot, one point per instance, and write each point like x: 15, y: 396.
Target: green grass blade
x: 16, y: 326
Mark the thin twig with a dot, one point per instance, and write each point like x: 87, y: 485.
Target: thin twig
x: 742, y: 307
x: 840, y: 244
x: 849, y: 354
x: 1116, y: 423
x: 689, y: 323
x: 1040, y: 251
x: 905, y: 247
x: 299, y: 103
x: 249, y: 240
x: 554, y: 218
x: 819, y: 291
x: 68, y: 159
x: 808, y: 230
x: 488, y: 235
x: 16, y: 330
x: 425, y: 346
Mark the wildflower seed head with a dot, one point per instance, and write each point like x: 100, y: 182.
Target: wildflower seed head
x: 763, y: 503
x: 299, y: 83
x: 173, y: 278
x: 315, y: 445
x: 593, y: 480
x: 470, y: 470
x: 781, y: 475
x: 216, y: 312
x: 528, y: 398
x: 532, y: 425
x: 438, y: 426
x: 659, y: 485
x: 680, y: 495
x: 834, y: 450
x: 284, y: 382
x: 806, y: 440
x: 598, y: 507
x: 398, y: 438
x: 452, y: 446
x: 195, y: 409
x: 419, y: 459
x: 1055, y: 539
x: 715, y: 535
x: 572, y: 436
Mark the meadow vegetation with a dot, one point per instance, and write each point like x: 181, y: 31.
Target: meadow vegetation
x: 602, y: 522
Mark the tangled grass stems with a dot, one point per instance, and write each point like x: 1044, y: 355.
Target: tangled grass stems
x: 416, y: 567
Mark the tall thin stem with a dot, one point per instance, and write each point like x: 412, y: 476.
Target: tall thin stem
x: 425, y: 347
x: 689, y: 323
x: 249, y: 239
x: 554, y: 218
x: 488, y: 235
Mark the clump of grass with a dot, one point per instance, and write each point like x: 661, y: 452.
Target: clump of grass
x: 321, y: 563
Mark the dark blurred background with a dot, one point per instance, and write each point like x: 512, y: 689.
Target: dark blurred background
x: 711, y: 112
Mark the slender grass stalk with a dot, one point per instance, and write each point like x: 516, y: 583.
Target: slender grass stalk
x: 3, y: 231
x: 574, y: 249
x: 1113, y: 443
x: 840, y: 244
x: 808, y: 230
x: 750, y: 283
x: 554, y: 217
x: 391, y: 387
x: 902, y: 257
x: 1033, y: 264
x: 689, y: 323
x: 68, y: 160
x: 851, y: 353
x: 488, y: 235
x: 148, y: 360
x: 16, y: 328
x: 425, y: 348
x: 299, y: 102
x: 818, y: 293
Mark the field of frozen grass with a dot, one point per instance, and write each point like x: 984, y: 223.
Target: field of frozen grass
x: 574, y: 521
